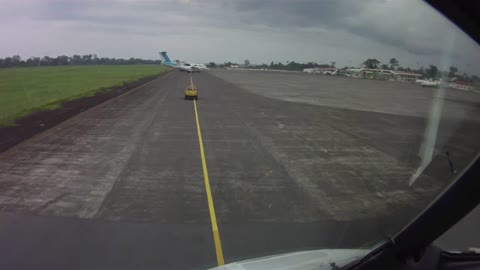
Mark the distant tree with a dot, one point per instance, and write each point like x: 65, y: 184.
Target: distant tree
x: 394, y: 63
x: 310, y: 65
x: 292, y: 65
x: 246, y: 62
x: 76, y: 59
x: 280, y: 65
x: 332, y: 64
x: 62, y: 60
x: 32, y: 61
x: 442, y: 74
x: 432, y: 71
x: 46, y: 61
x: 211, y: 65
x: 465, y: 77
x: 100, y: 61
x: 16, y: 60
x: 371, y: 63
x: 384, y: 66
x: 452, y: 71
x: 7, y: 62
x: 87, y: 59
x: 421, y: 70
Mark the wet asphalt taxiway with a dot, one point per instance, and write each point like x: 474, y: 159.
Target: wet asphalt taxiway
x: 122, y: 185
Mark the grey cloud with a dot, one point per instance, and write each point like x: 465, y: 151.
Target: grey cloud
x: 302, y: 13
x: 407, y: 25
x: 358, y: 17
x: 275, y: 14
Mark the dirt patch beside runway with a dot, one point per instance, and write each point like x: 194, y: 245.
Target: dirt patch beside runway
x: 26, y: 127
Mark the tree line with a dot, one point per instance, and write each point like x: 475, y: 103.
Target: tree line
x: 289, y: 65
x: 432, y: 71
x: 63, y: 60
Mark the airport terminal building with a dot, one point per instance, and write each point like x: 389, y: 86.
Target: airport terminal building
x: 383, y: 74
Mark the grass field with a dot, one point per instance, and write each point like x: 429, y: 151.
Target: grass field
x: 26, y: 90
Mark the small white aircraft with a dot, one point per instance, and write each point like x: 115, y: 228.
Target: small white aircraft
x: 181, y: 65
x: 330, y: 72
x: 428, y: 83
x: 200, y: 66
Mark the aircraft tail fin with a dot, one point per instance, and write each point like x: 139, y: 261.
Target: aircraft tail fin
x: 165, y: 57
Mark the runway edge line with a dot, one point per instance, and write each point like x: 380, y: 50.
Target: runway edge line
x: 211, y: 208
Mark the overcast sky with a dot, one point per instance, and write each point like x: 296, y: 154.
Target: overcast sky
x: 345, y: 31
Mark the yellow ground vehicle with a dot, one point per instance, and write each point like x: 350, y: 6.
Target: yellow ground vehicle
x: 191, y: 92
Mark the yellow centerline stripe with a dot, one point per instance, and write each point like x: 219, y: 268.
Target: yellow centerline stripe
x: 211, y: 208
